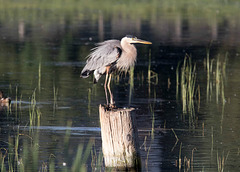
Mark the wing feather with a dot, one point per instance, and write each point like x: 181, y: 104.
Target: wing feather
x: 105, y: 54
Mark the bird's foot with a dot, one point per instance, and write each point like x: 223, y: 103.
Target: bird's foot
x: 112, y: 106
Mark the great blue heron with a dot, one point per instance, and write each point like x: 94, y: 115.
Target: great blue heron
x: 109, y: 56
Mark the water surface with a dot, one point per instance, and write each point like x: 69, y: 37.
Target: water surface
x: 43, y: 50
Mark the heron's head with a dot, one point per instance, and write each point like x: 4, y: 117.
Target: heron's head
x: 134, y: 40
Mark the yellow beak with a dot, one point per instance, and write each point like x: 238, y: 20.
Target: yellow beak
x: 139, y: 41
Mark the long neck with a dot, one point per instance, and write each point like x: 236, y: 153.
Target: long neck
x: 128, y: 56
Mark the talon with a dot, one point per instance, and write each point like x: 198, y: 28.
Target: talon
x: 112, y: 106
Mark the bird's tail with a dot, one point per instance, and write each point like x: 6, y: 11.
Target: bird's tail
x: 85, y: 73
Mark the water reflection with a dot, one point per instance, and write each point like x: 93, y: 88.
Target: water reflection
x: 43, y: 47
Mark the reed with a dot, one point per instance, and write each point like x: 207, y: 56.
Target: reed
x: 209, y: 78
x: 192, y: 158
x: 131, y: 84
x: 176, y: 139
x: 10, y: 156
x: 146, y: 162
x: 177, y: 80
x: 89, y: 101
x: 152, y: 76
x: 218, y: 78
x: 97, y: 159
x: 34, y: 112
x: 149, y: 74
x: 16, y: 146
x: 180, y: 157
x: 35, y: 151
x: 188, y: 86
x: 222, y: 117
x: 52, y: 163
x: 216, y: 74
x: 13, y: 161
x: 39, y: 76
x: 188, y: 163
x: 16, y: 104
x: 2, y: 159
x: 81, y: 157
x: 67, y: 135
x: 55, y: 97
x: 32, y: 107
x: 212, y: 140
x: 221, y: 161
x: 153, y: 121
x: 144, y: 144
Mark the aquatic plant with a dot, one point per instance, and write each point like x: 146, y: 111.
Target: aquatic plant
x: 25, y: 157
x: 81, y: 157
x: 179, y: 157
x: 39, y: 76
x: 216, y: 74
x: 55, y: 97
x: 89, y: 101
x: 146, y: 161
x: 152, y: 77
x: 188, y: 163
x: 187, y: 79
x: 151, y: 106
x: 176, y: 139
x: 97, y: 159
x: 34, y: 112
x: 177, y: 79
x: 221, y: 160
x: 131, y: 84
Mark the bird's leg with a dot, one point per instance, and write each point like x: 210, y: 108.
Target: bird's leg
x: 105, y: 87
x: 112, y: 103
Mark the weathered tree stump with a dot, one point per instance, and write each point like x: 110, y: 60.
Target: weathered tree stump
x: 119, y: 138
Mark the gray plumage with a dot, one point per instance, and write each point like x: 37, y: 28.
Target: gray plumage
x: 105, y: 54
x: 109, y: 56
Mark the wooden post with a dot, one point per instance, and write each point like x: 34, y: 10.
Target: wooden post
x: 119, y: 138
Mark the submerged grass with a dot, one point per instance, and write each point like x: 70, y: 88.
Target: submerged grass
x: 153, y: 121
x: 176, y: 139
x: 55, y: 97
x: 216, y: 76
x: 89, y: 101
x: 221, y: 161
x: 187, y: 81
x: 190, y: 93
x: 34, y: 112
x: 39, y: 76
x: 23, y: 150
x: 131, y: 84
x: 152, y: 77
x: 81, y: 157
x: 97, y: 159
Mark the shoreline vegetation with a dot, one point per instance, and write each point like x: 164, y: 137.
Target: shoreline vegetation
x: 133, y: 8
x: 164, y: 19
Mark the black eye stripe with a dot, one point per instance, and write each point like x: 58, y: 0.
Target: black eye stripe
x: 131, y: 36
